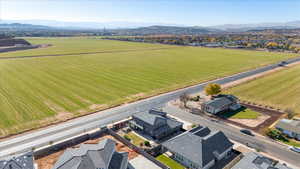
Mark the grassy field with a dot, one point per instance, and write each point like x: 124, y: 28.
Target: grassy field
x: 38, y: 91
x: 280, y: 89
x: 169, y: 162
x: 81, y: 45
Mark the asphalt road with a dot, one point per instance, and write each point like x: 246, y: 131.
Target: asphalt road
x: 80, y: 125
x: 257, y: 142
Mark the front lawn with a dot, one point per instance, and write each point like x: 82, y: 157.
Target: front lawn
x: 169, y: 162
x: 242, y: 113
x: 291, y: 142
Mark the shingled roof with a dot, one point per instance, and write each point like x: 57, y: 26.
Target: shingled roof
x: 200, y: 145
x: 24, y: 161
x: 290, y: 125
x: 154, y: 116
x: 93, y: 156
x: 254, y: 160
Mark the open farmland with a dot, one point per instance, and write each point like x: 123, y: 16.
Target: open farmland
x: 38, y: 91
x: 279, y: 90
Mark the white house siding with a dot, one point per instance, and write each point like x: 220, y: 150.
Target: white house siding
x: 221, y: 156
x: 187, y: 163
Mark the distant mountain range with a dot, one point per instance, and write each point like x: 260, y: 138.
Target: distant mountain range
x: 246, y: 27
x: 87, y: 25
x: 164, y: 30
x: 20, y: 27
x: 135, y: 29
x: 125, y: 25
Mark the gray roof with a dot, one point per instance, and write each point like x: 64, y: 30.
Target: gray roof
x: 254, y: 160
x: 219, y: 102
x: 24, y: 161
x: 153, y: 117
x: 290, y: 125
x: 199, y: 145
x: 93, y: 156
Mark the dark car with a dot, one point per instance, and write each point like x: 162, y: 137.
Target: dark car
x: 248, y: 132
x: 283, y: 63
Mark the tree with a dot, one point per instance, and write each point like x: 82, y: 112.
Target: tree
x: 272, y: 45
x: 184, y: 98
x: 212, y: 89
x: 290, y: 113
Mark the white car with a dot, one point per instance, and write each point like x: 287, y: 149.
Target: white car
x: 295, y: 149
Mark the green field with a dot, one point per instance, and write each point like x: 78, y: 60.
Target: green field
x: 169, y: 162
x: 279, y: 90
x: 38, y: 91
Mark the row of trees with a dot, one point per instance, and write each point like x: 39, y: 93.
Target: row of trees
x: 276, y: 42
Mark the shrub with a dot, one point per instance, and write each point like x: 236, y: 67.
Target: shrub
x: 147, y: 143
x: 127, y: 137
x: 276, y: 135
x: 194, y: 125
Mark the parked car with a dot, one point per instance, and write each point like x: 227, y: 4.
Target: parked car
x: 248, y: 132
x: 295, y: 149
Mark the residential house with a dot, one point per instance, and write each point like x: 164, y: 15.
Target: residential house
x: 93, y: 156
x: 289, y: 127
x: 221, y: 103
x: 25, y: 161
x: 199, y: 148
x: 155, y: 123
x: 254, y: 160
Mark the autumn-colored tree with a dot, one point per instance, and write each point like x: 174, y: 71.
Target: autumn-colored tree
x: 212, y: 89
x: 272, y: 45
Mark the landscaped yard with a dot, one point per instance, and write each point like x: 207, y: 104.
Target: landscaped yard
x: 135, y: 139
x: 279, y: 90
x: 291, y: 142
x: 38, y: 91
x: 169, y: 162
x: 243, y: 113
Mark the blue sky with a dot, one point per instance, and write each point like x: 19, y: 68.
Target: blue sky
x: 184, y: 12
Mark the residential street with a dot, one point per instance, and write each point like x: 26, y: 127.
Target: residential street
x: 83, y: 124
x: 257, y: 142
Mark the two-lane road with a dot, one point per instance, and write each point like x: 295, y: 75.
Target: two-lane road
x: 80, y: 125
x: 258, y: 142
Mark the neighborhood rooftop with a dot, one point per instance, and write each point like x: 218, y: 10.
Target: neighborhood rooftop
x: 200, y: 145
x: 21, y: 162
x: 291, y: 125
x: 93, y: 156
x: 156, y: 123
x: 256, y: 161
